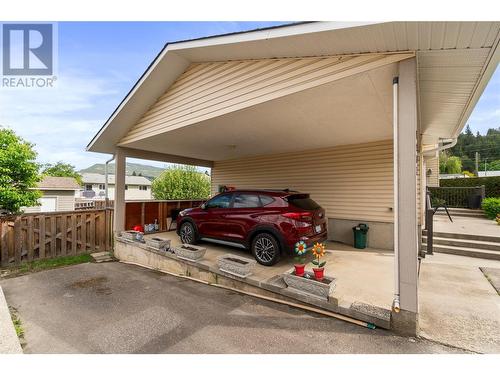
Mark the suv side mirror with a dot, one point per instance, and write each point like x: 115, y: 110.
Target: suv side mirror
x: 203, y: 206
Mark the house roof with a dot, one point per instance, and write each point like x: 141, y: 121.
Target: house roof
x: 58, y: 183
x: 455, y: 61
x: 96, y: 178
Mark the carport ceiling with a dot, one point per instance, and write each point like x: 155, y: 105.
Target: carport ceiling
x: 352, y: 110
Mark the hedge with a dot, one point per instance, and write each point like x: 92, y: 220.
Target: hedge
x: 491, y: 207
x: 491, y: 184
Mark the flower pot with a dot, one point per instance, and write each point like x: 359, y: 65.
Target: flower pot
x: 299, y: 269
x: 130, y: 235
x: 190, y: 252
x: 158, y: 243
x: 308, y: 285
x: 319, y: 273
x: 235, y: 265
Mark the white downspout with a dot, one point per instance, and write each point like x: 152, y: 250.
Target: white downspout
x: 106, y: 199
x: 395, y: 120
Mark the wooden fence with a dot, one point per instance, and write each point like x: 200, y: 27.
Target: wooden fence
x: 29, y: 237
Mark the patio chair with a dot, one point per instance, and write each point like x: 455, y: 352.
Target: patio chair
x: 174, y: 214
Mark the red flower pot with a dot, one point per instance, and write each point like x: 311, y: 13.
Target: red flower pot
x: 319, y: 273
x: 299, y: 269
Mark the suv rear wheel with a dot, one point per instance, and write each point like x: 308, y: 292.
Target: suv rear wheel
x: 187, y: 232
x: 265, y: 249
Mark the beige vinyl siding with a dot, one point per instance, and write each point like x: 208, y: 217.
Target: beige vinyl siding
x: 350, y: 182
x: 65, y: 200
x: 433, y: 165
x: 208, y: 90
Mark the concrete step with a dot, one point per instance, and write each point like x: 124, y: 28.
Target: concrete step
x: 103, y: 256
x: 465, y: 251
x: 464, y: 236
x: 473, y: 244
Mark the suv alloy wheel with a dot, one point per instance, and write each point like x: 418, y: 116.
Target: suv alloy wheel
x: 266, y: 249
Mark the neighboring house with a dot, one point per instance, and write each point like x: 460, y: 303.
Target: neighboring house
x: 311, y: 107
x: 136, y: 187
x: 58, y: 194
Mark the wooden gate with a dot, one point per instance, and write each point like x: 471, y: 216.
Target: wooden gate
x: 29, y: 237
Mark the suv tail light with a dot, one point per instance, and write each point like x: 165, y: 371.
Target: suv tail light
x: 306, y: 217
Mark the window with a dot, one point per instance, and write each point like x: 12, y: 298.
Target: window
x: 246, y: 201
x: 141, y: 187
x: 303, y: 201
x: 101, y: 187
x: 220, y: 201
x: 88, y: 187
x: 265, y: 199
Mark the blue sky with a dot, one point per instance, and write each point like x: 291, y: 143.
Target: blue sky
x: 98, y: 63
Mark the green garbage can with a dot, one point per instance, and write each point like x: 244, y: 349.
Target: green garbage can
x: 360, y: 232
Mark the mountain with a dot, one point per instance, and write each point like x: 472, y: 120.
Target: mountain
x: 146, y: 170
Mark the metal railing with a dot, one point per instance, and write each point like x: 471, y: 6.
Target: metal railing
x: 457, y: 197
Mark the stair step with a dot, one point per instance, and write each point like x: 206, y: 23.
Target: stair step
x: 103, y: 256
x: 465, y: 251
x: 473, y: 244
x: 465, y: 236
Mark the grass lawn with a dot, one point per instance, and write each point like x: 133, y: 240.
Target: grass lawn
x: 40, y: 265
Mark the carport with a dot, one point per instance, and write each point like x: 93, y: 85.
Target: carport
x: 347, y: 112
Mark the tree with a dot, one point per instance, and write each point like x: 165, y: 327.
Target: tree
x: 181, y: 182
x: 133, y: 173
x: 61, y: 169
x: 449, y: 164
x: 18, y: 172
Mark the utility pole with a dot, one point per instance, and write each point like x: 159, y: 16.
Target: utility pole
x: 485, y: 159
x: 476, y: 170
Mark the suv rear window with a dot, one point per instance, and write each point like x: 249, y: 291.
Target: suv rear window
x: 303, y: 201
x: 246, y: 201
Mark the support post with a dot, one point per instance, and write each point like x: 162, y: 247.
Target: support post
x: 119, y: 209
x: 405, y: 321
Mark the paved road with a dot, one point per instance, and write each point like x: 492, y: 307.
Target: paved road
x: 119, y: 308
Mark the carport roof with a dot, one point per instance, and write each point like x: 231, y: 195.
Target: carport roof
x: 455, y: 62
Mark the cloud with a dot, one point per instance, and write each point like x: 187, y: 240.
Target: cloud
x: 59, y: 120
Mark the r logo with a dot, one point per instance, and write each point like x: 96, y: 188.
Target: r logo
x: 27, y: 49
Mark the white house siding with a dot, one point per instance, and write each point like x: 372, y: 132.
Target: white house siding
x: 352, y: 182
x: 132, y: 193
x: 433, y: 165
x: 65, y: 200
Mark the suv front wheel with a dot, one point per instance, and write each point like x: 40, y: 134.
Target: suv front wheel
x: 265, y: 249
x: 187, y: 232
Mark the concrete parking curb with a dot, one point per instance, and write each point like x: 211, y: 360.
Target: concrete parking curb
x: 9, y: 343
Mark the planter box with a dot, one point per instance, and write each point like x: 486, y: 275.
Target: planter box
x: 130, y: 235
x: 309, y: 286
x: 235, y: 265
x: 158, y: 243
x: 190, y: 252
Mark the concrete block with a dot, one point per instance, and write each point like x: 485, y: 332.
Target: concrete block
x: 9, y: 343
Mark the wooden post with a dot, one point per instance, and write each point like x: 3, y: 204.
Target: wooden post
x: 73, y: 234
x: 30, y: 238
x: 53, y: 236
x: 119, y: 213
x: 4, y: 245
x: 92, y: 233
x: 18, y: 244
x: 41, y: 237
x: 64, y: 234
x: 83, y: 233
x: 407, y: 186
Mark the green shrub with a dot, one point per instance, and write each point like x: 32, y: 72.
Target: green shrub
x: 491, y: 207
x: 491, y: 184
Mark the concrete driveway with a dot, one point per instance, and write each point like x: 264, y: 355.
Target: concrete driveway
x: 119, y: 308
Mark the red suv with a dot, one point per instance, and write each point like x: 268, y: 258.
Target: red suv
x: 268, y: 222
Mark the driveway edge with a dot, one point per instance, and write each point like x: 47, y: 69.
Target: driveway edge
x: 9, y: 343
